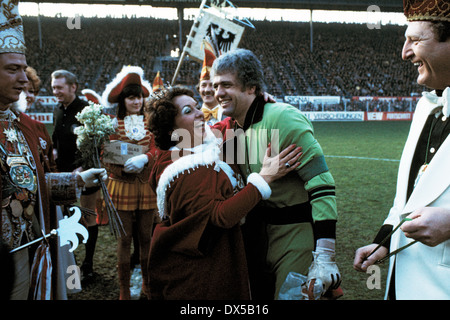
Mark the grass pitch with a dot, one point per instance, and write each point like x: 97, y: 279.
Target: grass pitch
x: 363, y: 158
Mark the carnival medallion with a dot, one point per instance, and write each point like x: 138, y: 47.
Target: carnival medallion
x: 22, y: 176
x: 43, y: 143
x: 6, y: 201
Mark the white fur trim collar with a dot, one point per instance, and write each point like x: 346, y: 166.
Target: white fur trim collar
x: 207, y: 154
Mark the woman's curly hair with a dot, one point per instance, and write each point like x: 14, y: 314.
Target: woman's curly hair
x: 161, y: 115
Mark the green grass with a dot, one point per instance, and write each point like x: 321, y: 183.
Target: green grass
x: 365, y: 191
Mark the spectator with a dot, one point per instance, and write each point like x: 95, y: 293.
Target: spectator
x: 68, y: 157
x: 347, y: 68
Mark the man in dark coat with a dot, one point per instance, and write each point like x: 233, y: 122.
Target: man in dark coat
x: 65, y: 86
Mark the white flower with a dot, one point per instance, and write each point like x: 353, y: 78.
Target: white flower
x: 95, y: 129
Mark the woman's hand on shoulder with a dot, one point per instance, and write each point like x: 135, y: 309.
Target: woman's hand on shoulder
x: 279, y: 165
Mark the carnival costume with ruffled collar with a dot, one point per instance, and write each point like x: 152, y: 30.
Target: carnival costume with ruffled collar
x: 121, y: 184
x: 135, y: 127
x: 23, y: 168
x: 51, y: 189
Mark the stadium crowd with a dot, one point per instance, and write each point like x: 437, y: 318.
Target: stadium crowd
x: 346, y: 59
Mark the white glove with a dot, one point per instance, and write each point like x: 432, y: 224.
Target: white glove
x: 324, y: 267
x: 91, y: 177
x: 135, y: 164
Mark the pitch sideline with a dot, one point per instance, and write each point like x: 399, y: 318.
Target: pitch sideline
x: 363, y: 158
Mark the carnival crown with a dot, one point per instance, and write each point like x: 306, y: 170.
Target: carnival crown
x: 428, y: 10
x: 11, y: 28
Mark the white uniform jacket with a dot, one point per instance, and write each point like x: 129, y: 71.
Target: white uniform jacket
x: 421, y: 272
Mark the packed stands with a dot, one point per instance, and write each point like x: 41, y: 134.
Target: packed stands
x: 347, y: 59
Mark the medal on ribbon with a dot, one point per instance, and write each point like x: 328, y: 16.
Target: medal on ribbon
x: 11, y: 135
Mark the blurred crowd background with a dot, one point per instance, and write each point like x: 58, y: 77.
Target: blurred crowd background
x: 346, y: 60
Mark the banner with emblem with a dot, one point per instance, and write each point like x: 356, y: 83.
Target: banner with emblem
x: 224, y: 33
x: 217, y: 25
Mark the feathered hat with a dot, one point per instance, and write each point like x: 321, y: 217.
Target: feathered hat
x: 11, y: 28
x: 91, y: 95
x: 158, y: 84
x: 128, y: 75
x: 427, y: 10
x: 208, y: 60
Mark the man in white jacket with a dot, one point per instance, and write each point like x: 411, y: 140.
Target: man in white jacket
x: 422, y: 202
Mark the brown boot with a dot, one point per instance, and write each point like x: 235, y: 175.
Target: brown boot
x: 124, y: 281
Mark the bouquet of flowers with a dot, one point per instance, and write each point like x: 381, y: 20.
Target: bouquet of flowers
x: 91, y: 135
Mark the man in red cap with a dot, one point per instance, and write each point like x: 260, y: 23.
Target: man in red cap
x: 210, y: 108
x: 419, y: 247
x: 158, y: 84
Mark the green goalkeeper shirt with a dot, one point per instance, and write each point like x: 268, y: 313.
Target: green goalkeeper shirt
x: 282, y: 125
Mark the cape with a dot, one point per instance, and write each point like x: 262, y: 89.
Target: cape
x: 197, y: 251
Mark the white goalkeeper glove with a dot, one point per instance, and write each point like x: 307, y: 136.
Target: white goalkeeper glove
x: 324, y: 267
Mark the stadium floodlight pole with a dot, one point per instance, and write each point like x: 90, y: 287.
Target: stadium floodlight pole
x: 187, y: 43
x: 39, y: 26
x: 311, y: 31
